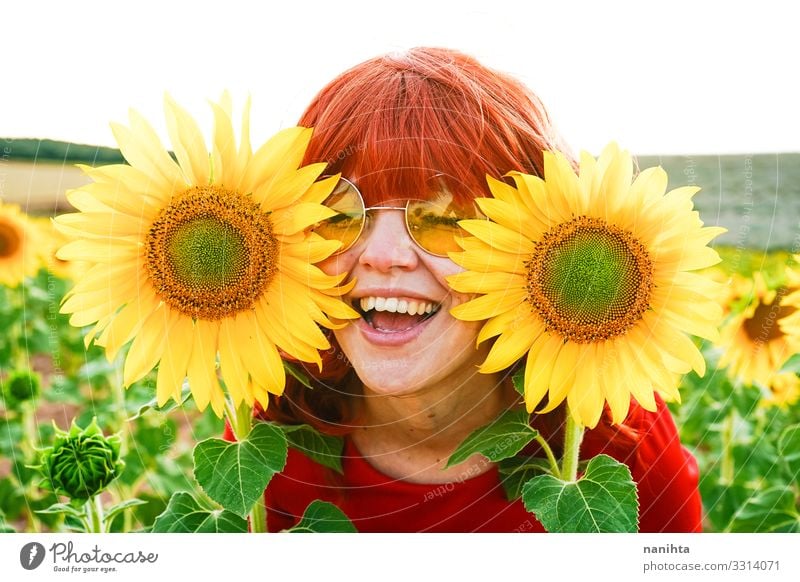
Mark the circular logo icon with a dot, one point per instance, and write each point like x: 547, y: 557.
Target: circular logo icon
x: 31, y: 555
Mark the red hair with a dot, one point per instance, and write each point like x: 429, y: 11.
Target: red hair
x: 391, y: 125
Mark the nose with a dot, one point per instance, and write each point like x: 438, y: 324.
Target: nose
x: 385, y: 243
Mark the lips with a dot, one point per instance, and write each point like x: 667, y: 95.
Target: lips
x: 394, y: 320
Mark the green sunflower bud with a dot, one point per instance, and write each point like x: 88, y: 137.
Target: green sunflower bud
x: 21, y: 386
x: 81, y: 462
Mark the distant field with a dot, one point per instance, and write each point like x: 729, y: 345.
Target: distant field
x: 756, y: 197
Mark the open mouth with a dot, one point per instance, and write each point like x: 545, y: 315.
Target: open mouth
x: 393, y: 314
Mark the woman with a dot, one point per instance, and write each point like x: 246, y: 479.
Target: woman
x: 401, y: 383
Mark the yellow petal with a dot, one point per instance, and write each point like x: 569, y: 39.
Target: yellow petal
x: 538, y: 374
x: 147, y: 346
x: 477, y: 282
x: 298, y: 217
x: 499, y: 237
x: 174, y: 361
x: 231, y: 366
x: 187, y: 143
x: 224, y: 148
x: 489, y: 305
x: 278, y: 157
x: 563, y: 376
x: 259, y: 354
x: 100, y: 251
x: 201, y: 370
x: 143, y: 150
x: 510, y: 347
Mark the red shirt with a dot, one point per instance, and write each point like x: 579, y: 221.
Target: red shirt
x: 665, y: 472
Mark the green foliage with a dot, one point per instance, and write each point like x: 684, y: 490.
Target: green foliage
x: 323, y: 517
x: 771, y: 511
x: 504, y: 437
x: 602, y: 500
x: 184, y: 514
x: 236, y: 474
x: 324, y: 449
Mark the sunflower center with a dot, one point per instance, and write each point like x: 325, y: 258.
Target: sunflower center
x: 763, y: 326
x: 589, y: 281
x: 9, y: 240
x: 211, y: 253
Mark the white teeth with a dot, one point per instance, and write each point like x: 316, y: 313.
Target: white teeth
x: 395, y: 305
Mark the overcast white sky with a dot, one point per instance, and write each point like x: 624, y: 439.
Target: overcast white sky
x: 666, y: 77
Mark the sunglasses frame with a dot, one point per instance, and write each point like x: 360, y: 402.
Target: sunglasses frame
x: 367, y: 209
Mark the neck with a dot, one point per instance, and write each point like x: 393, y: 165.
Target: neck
x: 411, y: 436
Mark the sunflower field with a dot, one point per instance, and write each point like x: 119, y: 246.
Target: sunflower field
x: 95, y: 437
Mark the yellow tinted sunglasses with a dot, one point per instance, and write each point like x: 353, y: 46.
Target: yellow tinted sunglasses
x: 431, y: 224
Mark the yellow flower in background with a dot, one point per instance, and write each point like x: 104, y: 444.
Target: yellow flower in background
x: 790, y: 322
x: 590, y: 275
x: 50, y: 240
x: 204, y: 256
x: 18, y: 242
x: 759, y: 337
x: 784, y: 390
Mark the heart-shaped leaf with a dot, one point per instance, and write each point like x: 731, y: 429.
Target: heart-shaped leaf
x: 184, y: 515
x: 504, y: 437
x: 236, y: 474
x: 602, y: 500
x: 323, y: 517
x: 324, y: 449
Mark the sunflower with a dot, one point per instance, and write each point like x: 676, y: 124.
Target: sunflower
x: 790, y: 322
x: 784, y: 390
x: 203, y: 255
x: 590, y: 274
x: 50, y: 240
x: 17, y: 246
x: 758, y: 336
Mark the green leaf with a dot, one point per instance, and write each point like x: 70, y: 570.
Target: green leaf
x: 63, y: 508
x: 324, y: 449
x: 789, y: 449
x: 516, y: 471
x: 504, y: 437
x: 298, y: 374
x: 323, y: 517
x: 773, y: 510
x: 152, y: 404
x: 236, y: 474
x: 518, y: 380
x: 185, y: 515
x: 602, y: 500
x: 119, y: 507
x: 792, y: 364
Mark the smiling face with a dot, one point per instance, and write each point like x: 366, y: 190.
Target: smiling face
x: 406, y: 340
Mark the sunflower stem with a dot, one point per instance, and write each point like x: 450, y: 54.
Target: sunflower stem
x: 258, y: 517
x: 573, y: 435
x: 551, y: 458
x: 94, y: 514
x: 726, y: 464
